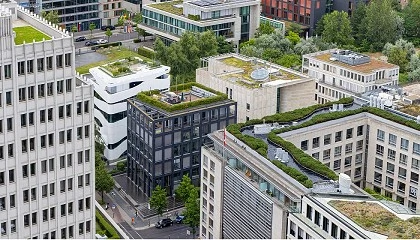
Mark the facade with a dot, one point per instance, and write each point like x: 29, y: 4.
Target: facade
x: 343, y: 73
x: 47, y: 171
x: 234, y: 19
x: 109, y: 12
x: 164, y: 144
x: 260, y: 88
x: 111, y: 93
x: 305, y: 12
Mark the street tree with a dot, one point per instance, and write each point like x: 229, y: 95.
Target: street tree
x: 103, y: 179
x: 192, y: 210
x: 92, y: 27
x: 337, y: 28
x: 265, y: 28
x: 184, y: 190
x: 137, y: 18
x: 74, y: 28
x: 108, y: 33
x: 51, y: 16
x: 158, y: 200
x: 121, y: 22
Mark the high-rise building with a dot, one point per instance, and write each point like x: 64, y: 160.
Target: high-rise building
x: 47, y: 172
x: 165, y: 131
x: 112, y: 88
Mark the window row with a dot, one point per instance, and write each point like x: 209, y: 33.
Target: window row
x: 338, y: 136
x: 41, y: 64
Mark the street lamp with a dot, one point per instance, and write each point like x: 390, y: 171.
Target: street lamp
x: 173, y: 195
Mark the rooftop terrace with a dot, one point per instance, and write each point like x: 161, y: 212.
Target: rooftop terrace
x: 378, y: 218
x: 174, y: 7
x: 127, y: 66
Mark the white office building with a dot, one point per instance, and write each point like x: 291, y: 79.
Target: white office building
x: 113, y: 88
x: 343, y: 73
x: 47, y: 172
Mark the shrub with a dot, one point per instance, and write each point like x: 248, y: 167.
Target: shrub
x: 145, y: 52
x: 107, y: 45
x: 194, y: 17
x: 110, y: 231
x: 136, y: 40
x: 121, y: 165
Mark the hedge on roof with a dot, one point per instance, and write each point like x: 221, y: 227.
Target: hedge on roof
x: 294, y: 173
x: 110, y: 231
x: 146, y: 97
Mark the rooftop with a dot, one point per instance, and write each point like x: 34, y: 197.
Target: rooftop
x: 174, y: 7
x: 252, y: 72
x: 127, y: 66
x: 28, y: 34
x: 181, y: 97
x: 380, y: 218
x: 369, y: 67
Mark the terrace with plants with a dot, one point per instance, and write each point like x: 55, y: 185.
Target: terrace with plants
x: 126, y: 66
x: 372, y: 216
x: 245, y: 67
x: 154, y: 97
x: 174, y: 7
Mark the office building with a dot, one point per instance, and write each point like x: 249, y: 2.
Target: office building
x: 306, y: 13
x: 259, y: 87
x: 47, y: 174
x: 343, y: 73
x: 165, y: 131
x: 366, y: 147
x: 112, y: 88
x: 237, y: 20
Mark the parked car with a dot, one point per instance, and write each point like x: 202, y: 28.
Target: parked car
x: 104, y: 28
x: 80, y: 39
x: 164, y: 223
x: 179, y: 219
x: 91, y: 43
x: 102, y: 41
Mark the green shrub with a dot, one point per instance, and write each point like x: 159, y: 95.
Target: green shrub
x: 136, y: 40
x: 110, y: 231
x: 145, y: 52
x: 107, y: 45
x: 121, y: 165
x: 294, y: 173
x: 194, y: 17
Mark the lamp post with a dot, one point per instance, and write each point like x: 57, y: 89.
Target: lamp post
x: 173, y: 195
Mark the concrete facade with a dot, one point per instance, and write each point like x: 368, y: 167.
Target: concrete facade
x: 47, y: 174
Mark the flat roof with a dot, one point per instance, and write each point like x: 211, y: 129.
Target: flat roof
x: 26, y: 33
x: 380, y: 217
x: 174, y: 7
x: 127, y: 66
x: 369, y: 67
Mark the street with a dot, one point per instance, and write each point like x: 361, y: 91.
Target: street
x: 176, y: 231
x: 117, y: 36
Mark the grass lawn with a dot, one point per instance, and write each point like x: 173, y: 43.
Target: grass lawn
x: 113, y: 54
x: 28, y: 34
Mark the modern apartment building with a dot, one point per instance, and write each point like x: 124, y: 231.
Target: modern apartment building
x: 237, y: 20
x: 165, y: 131
x: 110, y: 12
x: 112, y: 89
x: 47, y: 172
x: 343, y: 73
x: 305, y: 12
x: 366, y: 147
x: 260, y: 88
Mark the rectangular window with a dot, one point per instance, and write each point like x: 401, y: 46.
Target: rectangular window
x: 44, y: 166
x: 60, y: 86
x: 380, y: 135
x: 31, y: 118
x: 327, y: 139
x: 86, y: 106
x: 50, y: 114
x: 68, y: 110
x: 52, y: 213
x: 30, y: 66
x: 40, y: 64
x: 87, y: 131
x: 79, y: 133
x: 50, y: 89
x: 41, y: 90
x: 69, y: 133
x: 379, y: 149
x: 304, y: 145
x: 8, y: 98
x: 10, y: 150
x: 338, y: 136
x: 52, y: 189
x: 22, y: 94
x: 67, y: 59
x: 61, y: 137
x: 87, y: 155
x: 68, y: 85
x: 315, y: 142
x: 21, y: 68
x: 51, y: 139
x: 49, y: 63
x: 404, y: 144
x: 349, y: 133
x: 42, y: 116
x: 79, y: 108
x: 416, y: 148
x: 59, y: 61
x: 70, y: 184
x: 392, y: 139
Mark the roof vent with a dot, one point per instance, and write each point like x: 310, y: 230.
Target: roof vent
x: 260, y: 74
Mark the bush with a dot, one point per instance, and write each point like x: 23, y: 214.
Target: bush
x: 121, y: 166
x: 136, y: 40
x: 194, y: 17
x: 107, y: 45
x: 110, y: 231
x: 145, y: 52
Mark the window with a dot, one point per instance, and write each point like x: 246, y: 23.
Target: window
x: 380, y: 135
x: 26, y: 220
x: 415, y: 163
x: 389, y: 182
x: 81, y: 228
x: 52, y: 189
x: 69, y: 133
x: 40, y: 64
x: 414, y: 177
x: 61, y: 112
x: 309, y: 212
x: 81, y: 205
x: 30, y: 66
x: 24, y: 145
x: 403, y: 159
x: 87, y: 179
x: 86, y: 107
x: 8, y: 98
x: 44, y: 191
x: 337, y: 164
x: 79, y: 133
x: 49, y: 63
x: 404, y: 144
x: 292, y: 228
x: 31, y: 118
x: 402, y: 172
x: 10, y: 150
x: 13, y: 225
x: 378, y: 163
x: 33, y: 194
x: 315, y: 142
x: 25, y: 171
x: 390, y: 168
x: 326, y: 154
x: 50, y: 89
x: 60, y: 86
x: 59, y: 61
x: 42, y: 116
x: 315, y: 155
x: 391, y: 154
x: 401, y: 187
x: 347, y: 161
x: 304, y: 145
x: 21, y: 68
x: 327, y: 139
x: 51, y: 139
x: 80, y: 157
x: 334, y: 230
x: 22, y: 94
x: 87, y: 155
x: 378, y: 177
x: 68, y: 85
x: 50, y: 114
x: 70, y: 208
x: 11, y: 175
x: 337, y: 151
x: 87, y: 131
x: 68, y: 110
x: 67, y: 59
x: 79, y: 108
x: 70, y: 184
x: 63, y: 210
x: 338, y: 136
x: 9, y: 124
x: 416, y: 148
x: 41, y: 90
x: 87, y: 226
x: 69, y: 160
x: 349, y: 133
x: 80, y: 181
x: 61, y: 137
x: 62, y: 186
x: 88, y: 203
x: 379, y: 150
x: 325, y: 224
x: 44, y: 166
x: 349, y: 147
x: 392, y: 139
x: 45, y: 215
x: 63, y: 233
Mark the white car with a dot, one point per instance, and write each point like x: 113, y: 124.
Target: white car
x: 102, y: 41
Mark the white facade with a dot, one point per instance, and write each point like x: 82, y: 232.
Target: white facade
x: 111, y: 94
x: 263, y: 98
x: 47, y: 169
x: 337, y: 79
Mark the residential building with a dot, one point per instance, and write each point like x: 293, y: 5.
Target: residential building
x: 343, y: 73
x: 47, y: 172
x: 260, y: 88
x: 237, y: 20
x: 112, y: 89
x: 110, y: 12
x: 238, y: 182
x: 165, y: 131
x: 305, y: 12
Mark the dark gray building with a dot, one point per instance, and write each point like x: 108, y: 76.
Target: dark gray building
x: 165, y: 131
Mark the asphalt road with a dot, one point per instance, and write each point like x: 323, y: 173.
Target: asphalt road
x: 117, y: 36
x: 176, y: 231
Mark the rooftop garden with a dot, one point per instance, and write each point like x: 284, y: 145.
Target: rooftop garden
x: 413, y: 110
x: 375, y: 218
x: 121, y: 67
x: 300, y: 156
x: 169, y: 7
x: 153, y: 98
x: 103, y: 227
x: 28, y: 34
x: 113, y: 54
x: 248, y: 67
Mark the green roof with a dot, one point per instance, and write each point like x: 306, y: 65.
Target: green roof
x: 169, y: 7
x: 27, y: 34
x: 153, y: 98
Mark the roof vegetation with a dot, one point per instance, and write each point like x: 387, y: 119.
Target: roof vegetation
x: 28, y: 34
x: 375, y: 218
x: 169, y: 7
x: 153, y: 98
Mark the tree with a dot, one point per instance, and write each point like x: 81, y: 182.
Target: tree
x: 414, y: 66
x: 103, y: 179
x: 137, y: 18
x: 184, y: 190
x: 306, y: 46
x: 290, y: 60
x: 356, y: 22
x: 143, y: 33
x: 399, y: 53
x: 337, y: 28
x: 192, y: 210
x: 320, y: 25
x: 296, y: 28
x: 158, y: 200
x: 121, y: 22
x: 381, y: 24
x: 108, y: 33
x: 92, y: 27
x: 265, y: 28
x: 411, y: 16
x: 223, y: 46
x: 399, y: 57
x: 74, y: 28
x: 293, y: 37
x: 51, y: 16
x: 160, y: 51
